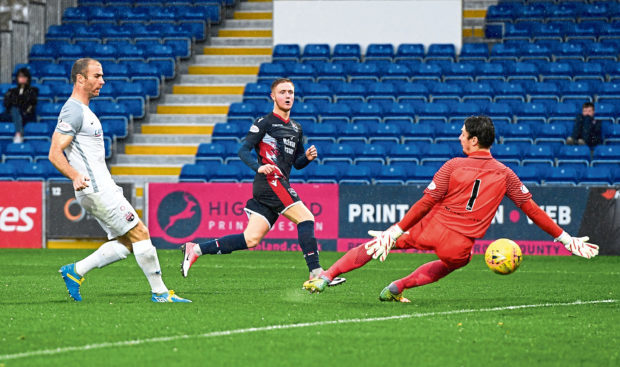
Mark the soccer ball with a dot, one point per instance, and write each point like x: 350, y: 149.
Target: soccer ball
x: 503, y: 256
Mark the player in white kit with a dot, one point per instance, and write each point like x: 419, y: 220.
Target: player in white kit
x: 79, y: 135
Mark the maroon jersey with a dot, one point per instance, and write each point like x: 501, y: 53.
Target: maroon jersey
x: 276, y: 141
x: 469, y: 190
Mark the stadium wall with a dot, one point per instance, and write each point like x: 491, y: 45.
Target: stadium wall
x: 367, y: 21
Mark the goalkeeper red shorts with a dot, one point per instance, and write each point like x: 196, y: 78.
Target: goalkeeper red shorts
x: 451, y: 247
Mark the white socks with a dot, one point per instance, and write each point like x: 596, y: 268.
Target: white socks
x: 106, y: 254
x: 146, y: 256
x: 197, y: 250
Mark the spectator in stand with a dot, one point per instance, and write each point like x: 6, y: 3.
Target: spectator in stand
x: 587, y: 129
x: 20, y: 103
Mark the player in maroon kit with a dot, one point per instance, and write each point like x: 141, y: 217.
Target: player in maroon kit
x: 278, y: 142
x: 457, y: 207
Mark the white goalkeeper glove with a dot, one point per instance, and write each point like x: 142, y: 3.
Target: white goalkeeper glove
x: 383, y: 242
x: 578, y: 245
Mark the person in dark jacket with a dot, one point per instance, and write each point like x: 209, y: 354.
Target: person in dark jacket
x: 587, y: 130
x: 20, y: 103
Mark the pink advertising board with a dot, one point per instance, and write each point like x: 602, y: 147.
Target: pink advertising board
x: 183, y: 212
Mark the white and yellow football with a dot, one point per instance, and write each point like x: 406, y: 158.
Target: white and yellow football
x: 503, y: 256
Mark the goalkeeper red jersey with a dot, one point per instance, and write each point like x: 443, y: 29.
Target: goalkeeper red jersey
x: 469, y: 190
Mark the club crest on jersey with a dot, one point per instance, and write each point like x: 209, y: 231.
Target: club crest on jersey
x: 254, y: 129
x: 98, y: 133
x: 64, y: 126
x: 431, y: 186
x: 129, y: 217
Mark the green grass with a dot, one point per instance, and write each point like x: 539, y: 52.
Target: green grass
x: 259, y: 289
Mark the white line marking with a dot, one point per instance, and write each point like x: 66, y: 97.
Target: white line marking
x: 283, y: 327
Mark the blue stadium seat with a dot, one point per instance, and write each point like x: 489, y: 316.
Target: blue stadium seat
x: 347, y: 52
x: 396, y: 72
x: 390, y: 175
x: 379, y: 51
x: 286, y: 52
x: 474, y: 51
x: 561, y: 175
x: 365, y: 71
x: 181, y: 46
x: 341, y: 152
x: 270, y: 71
x: 23, y: 151
x: 596, y: 176
x: 609, y: 153
x: 194, y: 173
x: 539, y: 153
x: 316, y: 52
x: 528, y: 175
x: 574, y: 153
x: 241, y: 109
x: 7, y: 172
x: 441, y: 51
x: 427, y: 71
x: 115, y: 127
x: 356, y: 174
x: 494, y: 71
x: 409, y: 51
x: 37, y: 130
x: 79, y: 14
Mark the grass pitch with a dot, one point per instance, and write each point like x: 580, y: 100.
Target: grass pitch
x: 246, y: 304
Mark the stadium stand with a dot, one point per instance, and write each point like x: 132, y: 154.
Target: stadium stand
x: 551, y: 58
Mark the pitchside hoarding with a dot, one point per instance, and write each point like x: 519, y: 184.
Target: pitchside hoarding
x: 183, y: 212
x: 196, y: 211
x: 21, y: 214
x: 65, y: 216
x: 378, y: 207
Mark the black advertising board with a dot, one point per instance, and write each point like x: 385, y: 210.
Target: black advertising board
x: 65, y: 216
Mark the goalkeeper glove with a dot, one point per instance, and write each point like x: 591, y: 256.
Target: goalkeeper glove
x: 383, y: 242
x: 578, y: 245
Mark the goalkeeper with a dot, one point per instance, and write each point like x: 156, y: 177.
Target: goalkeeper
x: 457, y: 207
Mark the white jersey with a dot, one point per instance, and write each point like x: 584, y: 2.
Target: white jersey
x: 86, y: 153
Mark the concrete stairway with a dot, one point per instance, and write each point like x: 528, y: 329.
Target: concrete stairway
x: 200, y: 98
x: 474, y: 13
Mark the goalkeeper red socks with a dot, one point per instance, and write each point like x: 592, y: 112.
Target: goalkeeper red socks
x: 353, y: 259
x: 425, y: 274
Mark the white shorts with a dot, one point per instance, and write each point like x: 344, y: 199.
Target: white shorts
x: 113, y: 212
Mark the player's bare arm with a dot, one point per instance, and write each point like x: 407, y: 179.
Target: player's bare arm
x: 58, y: 159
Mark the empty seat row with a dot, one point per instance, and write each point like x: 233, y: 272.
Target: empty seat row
x: 516, y: 11
x: 202, y: 12
x: 137, y: 70
x: 499, y: 69
x: 562, y: 30
x: 444, y: 109
x: 142, y: 48
x: 368, y: 172
x: 27, y: 171
x: 332, y: 90
x: 68, y: 31
x: 352, y: 52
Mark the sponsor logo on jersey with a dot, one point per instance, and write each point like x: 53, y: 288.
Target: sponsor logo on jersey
x: 254, y: 129
x: 98, y: 133
x: 292, y: 191
x: 274, y: 183
x: 432, y: 186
